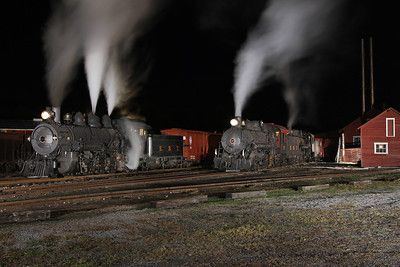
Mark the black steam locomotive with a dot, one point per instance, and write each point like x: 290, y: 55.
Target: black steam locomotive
x: 85, y: 145
x: 254, y: 145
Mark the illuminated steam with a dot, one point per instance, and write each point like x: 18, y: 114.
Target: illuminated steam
x: 131, y: 131
x: 97, y: 31
x: 288, y: 30
x: 114, y: 84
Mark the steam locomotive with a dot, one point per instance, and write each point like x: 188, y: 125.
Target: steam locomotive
x: 87, y: 145
x: 254, y: 145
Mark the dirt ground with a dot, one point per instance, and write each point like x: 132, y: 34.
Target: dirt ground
x: 340, y: 226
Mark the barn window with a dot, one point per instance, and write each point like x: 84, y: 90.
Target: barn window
x: 390, y: 127
x: 381, y: 148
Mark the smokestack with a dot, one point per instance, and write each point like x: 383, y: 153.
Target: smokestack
x: 57, y: 114
x: 371, y: 52
x: 363, y: 75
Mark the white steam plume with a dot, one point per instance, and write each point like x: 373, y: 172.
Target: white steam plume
x: 131, y: 131
x: 93, y: 30
x: 63, y: 49
x: 114, y: 85
x: 95, y: 64
x: 287, y: 31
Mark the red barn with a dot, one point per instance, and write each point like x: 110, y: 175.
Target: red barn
x: 380, y: 140
x: 350, y: 148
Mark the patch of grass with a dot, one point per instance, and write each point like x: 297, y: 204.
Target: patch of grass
x: 248, y: 231
x: 220, y: 201
x: 282, y: 192
x: 65, y: 251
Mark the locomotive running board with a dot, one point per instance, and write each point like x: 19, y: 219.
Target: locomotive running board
x: 232, y: 170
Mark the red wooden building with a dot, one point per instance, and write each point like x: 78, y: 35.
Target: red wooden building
x: 380, y: 140
x: 350, y: 146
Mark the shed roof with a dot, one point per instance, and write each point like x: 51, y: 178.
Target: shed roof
x: 18, y: 124
x: 368, y: 115
x: 387, y: 110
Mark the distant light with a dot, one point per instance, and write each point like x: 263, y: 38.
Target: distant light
x: 45, y: 115
x: 234, y: 122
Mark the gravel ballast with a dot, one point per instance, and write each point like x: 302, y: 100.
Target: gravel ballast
x: 340, y: 226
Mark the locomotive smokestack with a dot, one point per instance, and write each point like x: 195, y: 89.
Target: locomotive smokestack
x: 57, y: 114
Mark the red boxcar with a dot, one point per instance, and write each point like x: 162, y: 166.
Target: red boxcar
x: 326, y: 146
x: 197, y: 145
x: 14, y: 145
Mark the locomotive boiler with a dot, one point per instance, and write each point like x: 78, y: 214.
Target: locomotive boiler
x: 254, y: 145
x: 85, y: 145
x: 75, y: 147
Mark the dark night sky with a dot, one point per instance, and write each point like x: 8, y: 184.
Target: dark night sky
x: 192, y: 46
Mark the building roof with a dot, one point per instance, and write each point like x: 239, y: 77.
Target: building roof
x: 368, y: 115
x: 18, y: 124
x: 387, y: 110
x: 179, y: 130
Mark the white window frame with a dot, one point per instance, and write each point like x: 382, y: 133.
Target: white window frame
x: 359, y: 138
x: 387, y: 127
x: 381, y: 143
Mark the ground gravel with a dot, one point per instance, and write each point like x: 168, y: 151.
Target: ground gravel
x: 342, y: 226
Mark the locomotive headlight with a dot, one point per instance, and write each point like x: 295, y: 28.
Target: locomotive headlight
x: 234, y: 122
x: 47, y: 114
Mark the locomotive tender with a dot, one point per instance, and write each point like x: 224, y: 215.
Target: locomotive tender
x: 254, y: 145
x: 77, y: 147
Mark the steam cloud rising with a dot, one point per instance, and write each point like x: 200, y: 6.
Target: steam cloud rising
x: 100, y: 32
x: 288, y: 30
x: 131, y: 129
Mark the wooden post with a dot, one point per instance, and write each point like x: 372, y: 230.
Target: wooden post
x: 343, y: 147
x: 371, y: 52
x: 363, y: 75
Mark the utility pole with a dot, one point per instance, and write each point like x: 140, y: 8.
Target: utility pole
x: 371, y: 52
x: 363, y: 75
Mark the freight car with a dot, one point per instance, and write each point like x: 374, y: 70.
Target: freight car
x: 254, y: 145
x: 198, y: 146
x: 85, y: 145
x: 14, y: 147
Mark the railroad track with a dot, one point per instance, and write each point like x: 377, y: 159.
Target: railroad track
x: 26, y: 191
x: 83, y: 193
